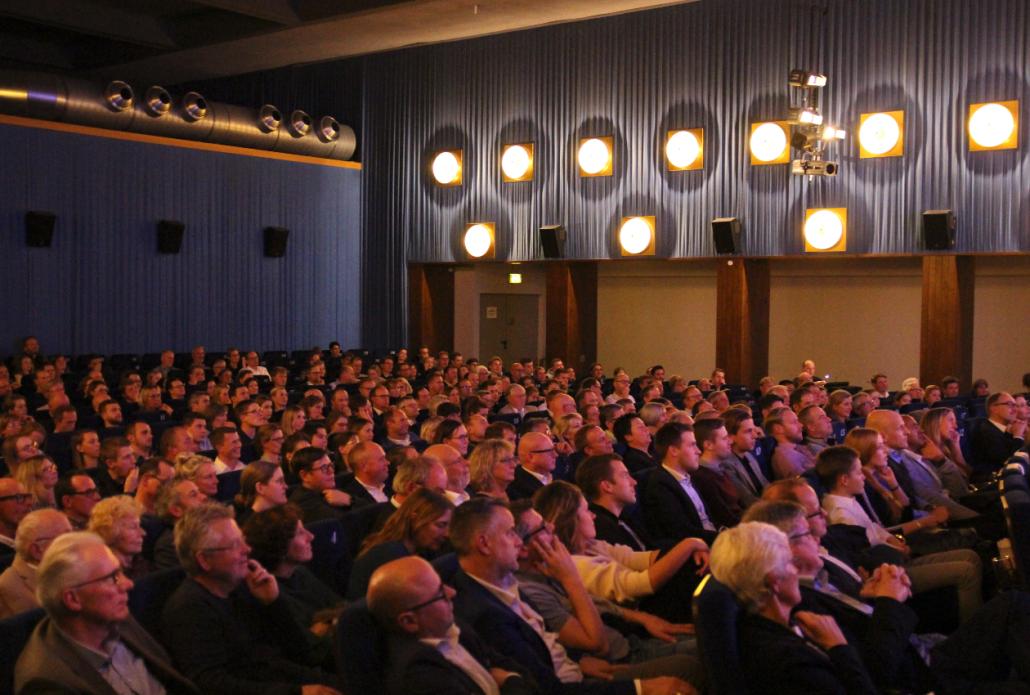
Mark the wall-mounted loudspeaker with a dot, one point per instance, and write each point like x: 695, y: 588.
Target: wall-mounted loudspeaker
x: 169, y: 236
x: 275, y: 241
x: 938, y: 230
x: 552, y: 238
x: 726, y: 232
x: 39, y: 228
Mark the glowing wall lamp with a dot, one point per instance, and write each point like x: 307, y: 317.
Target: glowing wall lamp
x: 684, y: 149
x: 881, y: 134
x: 636, y: 236
x: 825, y: 230
x: 994, y: 126
x: 594, y: 156
x: 446, y: 168
x: 479, y: 239
x: 517, y: 162
x: 514, y: 278
x: 769, y: 142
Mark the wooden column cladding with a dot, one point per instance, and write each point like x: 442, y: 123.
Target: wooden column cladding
x: 431, y: 306
x: 742, y: 319
x: 572, y: 314
x: 946, y: 335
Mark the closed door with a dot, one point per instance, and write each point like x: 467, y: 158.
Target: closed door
x: 508, y: 326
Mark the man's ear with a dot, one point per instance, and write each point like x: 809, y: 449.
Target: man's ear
x: 408, y: 622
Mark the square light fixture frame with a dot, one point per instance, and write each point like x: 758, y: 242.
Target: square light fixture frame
x: 899, y: 147
x: 842, y: 244
x: 491, y: 252
x: 650, y: 249
x: 784, y: 157
x: 528, y: 176
x: 459, y: 155
x: 698, y: 163
x: 609, y: 142
x: 1011, y: 143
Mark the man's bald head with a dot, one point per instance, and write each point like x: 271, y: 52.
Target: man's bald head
x: 533, y: 441
x: 400, y: 584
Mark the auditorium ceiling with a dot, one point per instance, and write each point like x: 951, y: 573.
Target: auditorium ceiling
x: 175, y: 41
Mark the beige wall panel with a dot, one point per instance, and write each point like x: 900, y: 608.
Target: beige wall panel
x: 489, y: 278
x: 1001, y: 321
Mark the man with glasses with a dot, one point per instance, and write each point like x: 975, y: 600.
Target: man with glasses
x: 428, y: 651
x: 227, y: 626
x: 76, y: 495
x: 15, y: 503
x: 88, y: 642
x: 537, y: 459
x: 18, y: 582
x: 317, y: 496
x: 993, y: 440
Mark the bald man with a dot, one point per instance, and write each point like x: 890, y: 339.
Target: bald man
x: 368, y: 486
x: 428, y: 652
x: 537, y: 459
x: 457, y: 471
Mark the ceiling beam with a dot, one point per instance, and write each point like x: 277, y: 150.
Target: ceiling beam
x: 278, y: 11
x: 93, y: 19
x: 383, y: 29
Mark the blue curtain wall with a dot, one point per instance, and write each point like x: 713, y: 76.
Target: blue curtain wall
x: 103, y: 287
x: 716, y: 64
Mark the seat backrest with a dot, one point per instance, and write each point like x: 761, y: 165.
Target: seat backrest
x: 360, y: 650
x: 1015, y: 504
x: 716, y: 612
x: 149, y: 595
x: 14, y: 634
x: 331, y: 554
x: 228, y: 485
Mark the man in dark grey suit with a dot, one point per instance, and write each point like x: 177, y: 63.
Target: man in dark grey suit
x: 88, y: 642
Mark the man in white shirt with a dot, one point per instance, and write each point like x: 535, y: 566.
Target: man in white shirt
x: 371, y: 469
x: 457, y: 471
x: 227, y: 443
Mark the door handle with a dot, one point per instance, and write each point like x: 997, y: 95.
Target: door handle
x: 504, y: 344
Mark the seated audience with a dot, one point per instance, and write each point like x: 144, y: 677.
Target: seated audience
x: 788, y: 459
x: 18, y: 582
x: 741, y: 466
x: 943, y: 449
x: 262, y: 487
x: 88, y: 642
x: 370, y: 469
x: 201, y: 471
x: 635, y: 438
x: 492, y: 468
x: 611, y: 493
x: 117, y: 521
x: 153, y: 473
x: 175, y: 499
x: 15, y: 503
x: 997, y: 437
x: 39, y: 476
x: 715, y: 486
x: 317, y: 496
x: 457, y: 471
x: 116, y: 474
x: 537, y: 460
x: 673, y: 506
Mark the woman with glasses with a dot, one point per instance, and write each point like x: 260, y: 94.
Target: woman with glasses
x: 492, y: 468
x: 39, y: 476
x: 201, y: 471
x: 269, y: 443
x: 117, y: 521
x: 419, y: 526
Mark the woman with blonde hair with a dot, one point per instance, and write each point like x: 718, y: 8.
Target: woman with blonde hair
x: 944, y: 451
x: 201, y: 471
x: 39, y: 476
x: 492, y: 468
x: 117, y: 520
x: 293, y: 420
x: 419, y: 526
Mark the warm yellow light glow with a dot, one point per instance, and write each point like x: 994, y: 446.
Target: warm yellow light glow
x: 636, y: 236
x: 517, y: 162
x: 447, y: 168
x: 825, y: 229
x: 479, y: 239
x: 769, y: 143
x: 684, y: 149
x: 514, y: 278
x: 881, y: 134
x: 595, y: 157
x: 993, y: 126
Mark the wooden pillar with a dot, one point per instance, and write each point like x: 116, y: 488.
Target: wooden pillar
x: 742, y: 320
x: 946, y: 335
x: 431, y: 307
x: 571, y: 321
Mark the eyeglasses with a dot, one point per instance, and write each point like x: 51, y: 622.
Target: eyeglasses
x: 818, y: 513
x: 235, y: 545
x: 324, y: 468
x: 440, y: 595
x: 542, y: 451
x: 529, y: 535
x: 19, y: 497
x: 113, y: 578
x: 1010, y: 404
x: 91, y: 492
x: 799, y: 536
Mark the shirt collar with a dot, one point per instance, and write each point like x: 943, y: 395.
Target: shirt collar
x: 680, y: 476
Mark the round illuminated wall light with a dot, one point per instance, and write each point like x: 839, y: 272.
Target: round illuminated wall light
x: 684, y: 149
x: 825, y: 230
x: 994, y: 126
x: 768, y: 143
x: 880, y: 134
x: 594, y: 156
x: 479, y: 239
x: 636, y: 236
x: 447, y: 168
x: 517, y: 163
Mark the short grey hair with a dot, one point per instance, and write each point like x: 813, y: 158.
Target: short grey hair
x: 651, y: 413
x: 743, y: 556
x: 63, y: 566
x: 32, y: 526
x: 192, y: 531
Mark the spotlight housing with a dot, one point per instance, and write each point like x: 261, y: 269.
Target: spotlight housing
x: 446, y: 168
x: 269, y: 118
x: 993, y: 126
x: 825, y: 230
x: 479, y: 239
x: 684, y: 149
x: 881, y: 134
x: 594, y: 156
x: 517, y: 162
x: 637, y: 236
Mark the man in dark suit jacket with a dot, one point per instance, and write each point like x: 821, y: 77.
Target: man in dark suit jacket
x: 368, y: 484
x: 537, y: 459
x: 994, y: 439
x: 631, y: 432
x: 61, y: 655
x: 428, y: 653
x: 611, y: 492
x: 670, y: 510
x: 317, y: 496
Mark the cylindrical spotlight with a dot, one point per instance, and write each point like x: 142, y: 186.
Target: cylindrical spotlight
x: 118, y: 95
x: 446, y: 168
x: 595, y: 156
x: 880, y: 135
x: 479, y: 239
x: 683, y: 149
x: 769, y: 143
x: 825, y: 229
x: 157, y: 101
x: 194, y: 107
x: 517, y: 163
x: 993, y: 126
x: 269, y: 118
x: 636, y: 236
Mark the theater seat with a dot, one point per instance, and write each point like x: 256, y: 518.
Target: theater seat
x: 716, y: 612
x: 332, y: 554
x: 149, y: 595
x: 360, y: 651
x: 228, y: 485
x: 14, y: 634
x: 1015, y: 504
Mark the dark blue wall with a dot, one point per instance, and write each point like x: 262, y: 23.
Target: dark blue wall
x: 720, y: 64
x: 103, y: 287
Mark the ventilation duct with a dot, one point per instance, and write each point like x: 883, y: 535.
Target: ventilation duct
x: 117, y: 106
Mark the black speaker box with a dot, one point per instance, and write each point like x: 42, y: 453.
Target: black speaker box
x: 552, y: 237
x: 938, y: 230
x: 726, y: 232
x: 275, y: 241
x: 39, y: 228
x: 169, y: 236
